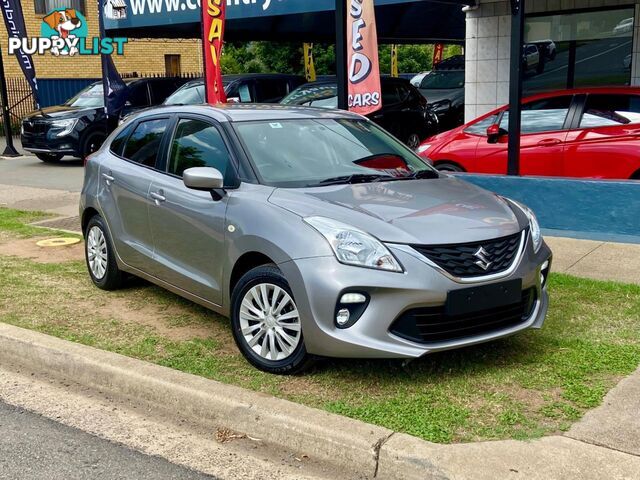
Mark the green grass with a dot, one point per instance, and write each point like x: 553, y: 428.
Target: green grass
x: 15, y: 222
x: 526, y: 386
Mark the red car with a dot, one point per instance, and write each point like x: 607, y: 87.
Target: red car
x: 591, y: 132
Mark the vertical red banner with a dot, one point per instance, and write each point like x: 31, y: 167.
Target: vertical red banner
x: 438, y: 51
x: 213, y: 14
x: 363, y: 68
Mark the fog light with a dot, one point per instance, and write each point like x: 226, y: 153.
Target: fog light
x: 353, y: 298
x: 544, y: 272
x: 342, y: 318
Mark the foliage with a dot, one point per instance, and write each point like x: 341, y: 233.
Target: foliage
x: 287, y: 57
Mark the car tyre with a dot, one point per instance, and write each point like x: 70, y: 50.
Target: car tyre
x: 50, y: 157
x: 448, y: 167
x: 266, y: 324
x: 100, y: 257
x: 413, y: 141
x: 91, y: 143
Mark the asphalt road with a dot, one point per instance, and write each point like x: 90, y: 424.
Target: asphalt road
x: 33, y: 447
x: 28, y: 171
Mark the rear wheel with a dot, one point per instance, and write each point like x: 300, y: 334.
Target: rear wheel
x: 99, y: 254
x: 413, y: 141
x: 50, y: 157
x: 266, y: 322
x: 448, y: 167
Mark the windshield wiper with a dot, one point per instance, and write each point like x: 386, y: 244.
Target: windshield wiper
x: 423, y: 174
x: 354, y: 178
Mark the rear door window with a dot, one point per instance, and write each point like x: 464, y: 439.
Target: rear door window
x: 139, y: 95
x: 271, y: 90
x: 144, y: 143
x: 610, y: 110
x: 118, y: 142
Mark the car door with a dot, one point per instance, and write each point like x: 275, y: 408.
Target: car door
x: 606, y: 140
x: 188, y: 226
x: 544, y: 131
x: 123, y: 195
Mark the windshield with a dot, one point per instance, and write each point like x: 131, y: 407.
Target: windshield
x: 444, y: 79
x: 188, y: 95
x: 91, y: 97
x: 325, y: 95
x: 314, y: 152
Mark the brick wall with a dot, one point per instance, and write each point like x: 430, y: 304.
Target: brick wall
x: 141, y: 55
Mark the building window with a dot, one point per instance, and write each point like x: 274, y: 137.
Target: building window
x: 172, y: 65
x: 580, y: 49
x: 43, y: 7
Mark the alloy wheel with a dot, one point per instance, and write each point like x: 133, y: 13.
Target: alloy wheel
x: 269, y: 322
x: 97, y: 252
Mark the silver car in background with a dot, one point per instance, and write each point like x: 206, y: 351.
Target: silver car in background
x: 314, y: 230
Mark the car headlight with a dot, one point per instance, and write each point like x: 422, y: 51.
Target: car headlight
x: 352, y: 246
x: 65, y: 126
x: 536, y: 234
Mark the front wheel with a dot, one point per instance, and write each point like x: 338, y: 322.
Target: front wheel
x: 266, y: 322
x: 448, y: 167
x: 50, y: 157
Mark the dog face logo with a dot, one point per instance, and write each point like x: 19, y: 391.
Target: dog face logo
x: 63, y: 21
x: 67, y: 24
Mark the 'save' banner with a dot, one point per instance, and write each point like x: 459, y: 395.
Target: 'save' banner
x: 14, y: 20
x: 213, y: 13
x: 365, y: 94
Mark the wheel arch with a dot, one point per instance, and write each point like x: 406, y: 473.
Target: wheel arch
x: 87, y: 215
x: 635, y: 175
x: 450, y: 162
x: 246, y: 262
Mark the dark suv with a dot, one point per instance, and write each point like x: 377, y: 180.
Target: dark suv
x: 79, y: 126
x: 404, y: 111
x: 245, y: 88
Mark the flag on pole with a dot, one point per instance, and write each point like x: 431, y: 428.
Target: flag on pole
x: 438, y: 51
x: 394, y: 61
x: 114, y: 89
x: 363, y: 68
x: 213, y: 16
x: 309, y: 64
x: 14, y: 21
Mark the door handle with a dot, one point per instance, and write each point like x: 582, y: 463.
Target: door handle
x: 549, y: 142
x: 158, y: 197
x: 108, y: 179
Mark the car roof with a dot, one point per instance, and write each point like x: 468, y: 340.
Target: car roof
x: 331, y: 81
x: 245, y: 112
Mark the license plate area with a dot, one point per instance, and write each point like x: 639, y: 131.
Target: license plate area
x: 484, y: 297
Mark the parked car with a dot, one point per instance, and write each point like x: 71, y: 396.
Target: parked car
x: 444, y: 91
x: 547, y: 48
x: 314, y: 230
x: 79, y: 126
x: 417, y: 79
x: 571, y: 133
x: 253, y: 88
x: 625, y: 26
x: 404, y: 111
x: 531, y: 58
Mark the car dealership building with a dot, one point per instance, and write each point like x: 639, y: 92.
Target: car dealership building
x: 595, y: 42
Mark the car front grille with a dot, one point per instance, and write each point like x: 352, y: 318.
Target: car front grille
x: 34, y: 128
x: 468, y: 259
x: 432, y: 324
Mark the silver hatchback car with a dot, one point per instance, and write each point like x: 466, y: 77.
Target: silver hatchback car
x: 314, y: 230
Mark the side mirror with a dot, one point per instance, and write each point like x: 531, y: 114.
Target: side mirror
x: 494, y: 132
x: 203, y: 178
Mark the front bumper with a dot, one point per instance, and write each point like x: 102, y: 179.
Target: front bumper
x: 45, y: 140
x: 318, y: 282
